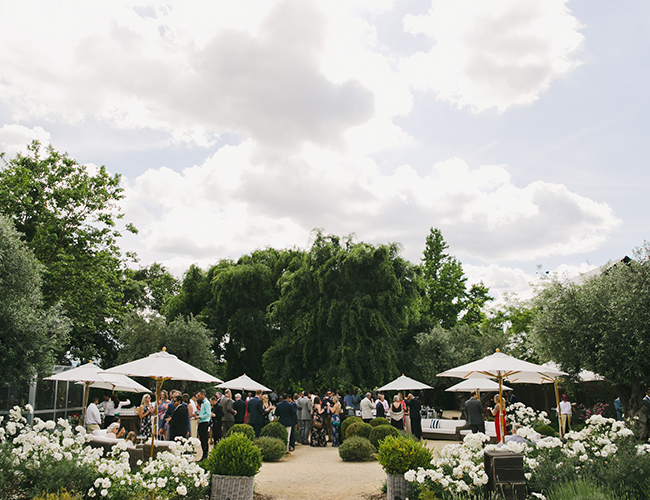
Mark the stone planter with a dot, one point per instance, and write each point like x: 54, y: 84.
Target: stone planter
x: 232, y: 487
x: 397, y: 487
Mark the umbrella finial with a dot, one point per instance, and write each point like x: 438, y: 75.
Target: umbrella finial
x: 164, y: 349
x: 498, y: 350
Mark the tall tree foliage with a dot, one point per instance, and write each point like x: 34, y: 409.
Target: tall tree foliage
x: 446, y: 298
x: 602, y: 325
x: 341, y: 314
x: 67, y: 215
x: 30, y: 332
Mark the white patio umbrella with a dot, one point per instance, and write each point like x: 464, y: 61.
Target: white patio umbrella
x: 477, y: 384
x: 404, y: 383
x: 245, y: 383
x: 501, y: 366
x: 118, y: 382
x: 162, y: 366
x: 91, y: 375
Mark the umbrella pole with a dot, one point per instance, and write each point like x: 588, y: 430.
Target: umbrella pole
x: 155, y: 419
x: 557, y: 408
x: 502, y: 413
x: 83, y: 412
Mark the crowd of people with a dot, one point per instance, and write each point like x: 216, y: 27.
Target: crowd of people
x: 310, y: 418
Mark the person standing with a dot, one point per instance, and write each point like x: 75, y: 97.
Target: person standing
x: 216, y: 417
x: 499, y: 417
x: 566, y: 411
x: 93, y: 418
x: 109, y: 410
x: 256, y: 412
x: 380, y: 410
x: 397, y: 414
x: 285, y: 413
x: 145, y: 411
x: 416, y: 418
x: 239, y: 405
x: 194, y: 416
x: 326, y: 405
x: 304, y: 419
x: 336, y: 421
x: 618, y: 406
x: 228, y: 412
x: 178, y: 421
x: 294, y: 422
x: 163, y: 406
x: 318, y: 435
x: 475, y: 414
x: 204, y: 417
x: 366, y: 407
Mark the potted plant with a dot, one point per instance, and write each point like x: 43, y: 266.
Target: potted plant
x: 397, y: 455
x: 233, y: 463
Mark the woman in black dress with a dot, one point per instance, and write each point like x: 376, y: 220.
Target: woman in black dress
x: 397, y: 414
x: 145, y: 411
x: 318, y: 435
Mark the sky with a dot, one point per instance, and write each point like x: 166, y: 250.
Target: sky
x: 519, y: 128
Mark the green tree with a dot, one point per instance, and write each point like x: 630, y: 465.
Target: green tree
x: 189, y: 340
x: 602, y: 325
x: 67, y: 215
x: 341, y: 315
x: 30, y: 332
x: 150, y: 288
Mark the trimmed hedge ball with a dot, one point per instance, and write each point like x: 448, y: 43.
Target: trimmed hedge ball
x: 345, y: 424
x: 358, y: 429
x: 380, y: 432
x: 275, y: 430
x: 273, y: 449
x: 356, y: 449
x: 244, y: 429
x: 379, y: 421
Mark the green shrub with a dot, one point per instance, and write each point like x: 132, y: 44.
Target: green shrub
x: 358, y: 429
x: 546, y: 430
x: 244, y: 429
x: 59, y: 495
x: 356, y: 449
x: 53, y: 476
x: 275, y: 430
x: 379, y: 421
x: 408, y: 435
x: 582, y: 489
x: 273, y: 449
x: 234, y: 456
x: 344, y: 426
x: 380, y: 432
x: 398, y: 455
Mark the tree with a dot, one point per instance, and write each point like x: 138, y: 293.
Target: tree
x: 149, y: 289
x: 67, y: 213
x: 445, y: 293
x: 602, y: 325
x: 189, y: 340
x: 30, y: 332
x: 341, y: 315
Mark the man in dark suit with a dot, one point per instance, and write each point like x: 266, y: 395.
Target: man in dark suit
x: 178, y: 424
x: 228, y: 412
x: 285, y: 413
x: 256, y: 412
x: 475, y: 413
x: 416, y: 418
x: 239, y: 405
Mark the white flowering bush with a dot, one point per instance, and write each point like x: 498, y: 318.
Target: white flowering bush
x: 519, y: 413
x: 604, y: 452
x: 47, y: 456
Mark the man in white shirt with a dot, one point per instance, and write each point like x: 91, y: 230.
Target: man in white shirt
x: 366, y: 408
x: 565, y: 414
x: 93, y: 418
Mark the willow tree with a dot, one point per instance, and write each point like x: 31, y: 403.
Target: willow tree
x: 341, y: 315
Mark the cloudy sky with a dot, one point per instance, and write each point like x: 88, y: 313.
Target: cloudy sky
x: 517, y: 127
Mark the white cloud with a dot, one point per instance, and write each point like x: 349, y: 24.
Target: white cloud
x: 14, y: 139
x: 493, y: 54
x: 234, y: 203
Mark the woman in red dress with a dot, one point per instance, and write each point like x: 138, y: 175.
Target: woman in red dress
x: 499, y: 418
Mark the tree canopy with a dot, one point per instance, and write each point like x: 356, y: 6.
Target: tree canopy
x: 67, y: 214
x: 31, y: 332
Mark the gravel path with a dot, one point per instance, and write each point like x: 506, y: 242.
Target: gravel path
x: 311, y: 473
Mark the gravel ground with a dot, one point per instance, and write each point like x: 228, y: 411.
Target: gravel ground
x: 313, y: 473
